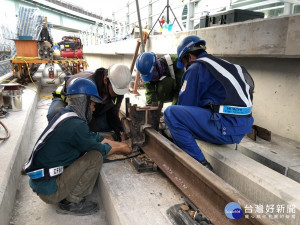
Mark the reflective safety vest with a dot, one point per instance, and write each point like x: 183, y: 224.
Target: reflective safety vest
x: 170, y: 65
x: 238, y: 85
x: 47, y: 173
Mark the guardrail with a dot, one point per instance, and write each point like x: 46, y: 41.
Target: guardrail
x: 187, y: 12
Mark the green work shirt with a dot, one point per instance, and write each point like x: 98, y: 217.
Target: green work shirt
x: 167, y: 89
x: 69, y: 141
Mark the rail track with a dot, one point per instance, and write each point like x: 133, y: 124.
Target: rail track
x: 208, y: 192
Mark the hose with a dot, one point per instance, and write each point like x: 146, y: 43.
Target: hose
x: 6, y: 130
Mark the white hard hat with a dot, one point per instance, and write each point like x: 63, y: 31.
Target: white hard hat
x: 120, y: 77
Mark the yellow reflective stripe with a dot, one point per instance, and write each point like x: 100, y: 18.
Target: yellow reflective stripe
x: 59, y: 89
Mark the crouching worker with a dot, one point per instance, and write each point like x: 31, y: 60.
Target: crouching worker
x: 67, y: 157
x: 162, y: 77
x: 215, y: 101
x: 112, y: 84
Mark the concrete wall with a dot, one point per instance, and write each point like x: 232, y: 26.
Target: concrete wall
x: 268, y: 48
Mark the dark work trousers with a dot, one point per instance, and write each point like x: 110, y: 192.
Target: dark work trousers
x: 78, y: 180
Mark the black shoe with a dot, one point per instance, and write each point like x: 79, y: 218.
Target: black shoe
x: 207, y: 165
x: 80, y: 209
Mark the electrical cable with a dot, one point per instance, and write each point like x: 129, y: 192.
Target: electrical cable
x: 131, y: 155
x: 6, y: 130
x: 29, y: 58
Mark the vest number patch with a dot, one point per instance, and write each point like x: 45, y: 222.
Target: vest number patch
x: 56, y: 171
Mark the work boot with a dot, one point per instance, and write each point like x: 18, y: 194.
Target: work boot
x: 80, y: 209
x: 207, y: 165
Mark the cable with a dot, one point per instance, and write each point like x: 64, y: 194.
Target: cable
x: 20, y: 85
x: 131, y: 155
x: 6, y: 130
x: 21, y: 58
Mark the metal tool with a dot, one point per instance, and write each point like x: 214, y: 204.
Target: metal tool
x: 138, y: 119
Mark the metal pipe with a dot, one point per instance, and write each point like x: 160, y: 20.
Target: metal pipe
x: 140, y: 25
x: 168, y: 6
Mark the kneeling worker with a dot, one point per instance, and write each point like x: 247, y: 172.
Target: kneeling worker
x: 67, y: 158
x: 112, y: 84
x: 162, y: 78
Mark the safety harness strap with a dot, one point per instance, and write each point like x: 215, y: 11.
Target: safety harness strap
x: 170, y: 65
x: 230, y: 76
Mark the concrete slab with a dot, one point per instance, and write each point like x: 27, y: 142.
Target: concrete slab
x: 31, y: 210
x: 12, y: 151
x: 294, y: 173
x: 280, y: 154
x: 256, y: 181
x: 132, y: 198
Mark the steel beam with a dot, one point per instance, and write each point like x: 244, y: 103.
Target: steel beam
x: 203, y: 188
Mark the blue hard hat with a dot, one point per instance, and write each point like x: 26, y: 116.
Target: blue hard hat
x: 145, y: 64
x: 186, y: 44
x: 85, y: 86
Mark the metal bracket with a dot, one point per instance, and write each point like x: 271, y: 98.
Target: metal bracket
x: 187, y: 214
x: 143, y: 163
x: 138, y: 119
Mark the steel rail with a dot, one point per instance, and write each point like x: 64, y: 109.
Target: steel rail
x: 208, y: 192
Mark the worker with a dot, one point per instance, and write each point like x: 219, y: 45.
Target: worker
x: 215, y: 101
x: 112, y: 84
x: 162, y: 78
x: 44, y: 35
x: 67, y: 157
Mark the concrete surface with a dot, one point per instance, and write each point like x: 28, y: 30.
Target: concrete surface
x: 275, y: 98
x: 280, y: 154
x: 294, y: 173
x: 132, y: 198
x: 12, y: 151
x: 259, y: 183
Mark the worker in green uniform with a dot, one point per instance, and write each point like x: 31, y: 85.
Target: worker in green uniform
x: 67, y: 157
x: 162, y: 78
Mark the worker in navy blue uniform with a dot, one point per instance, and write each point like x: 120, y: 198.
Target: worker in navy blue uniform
x: 215, y: 100
x: 67, y: 157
